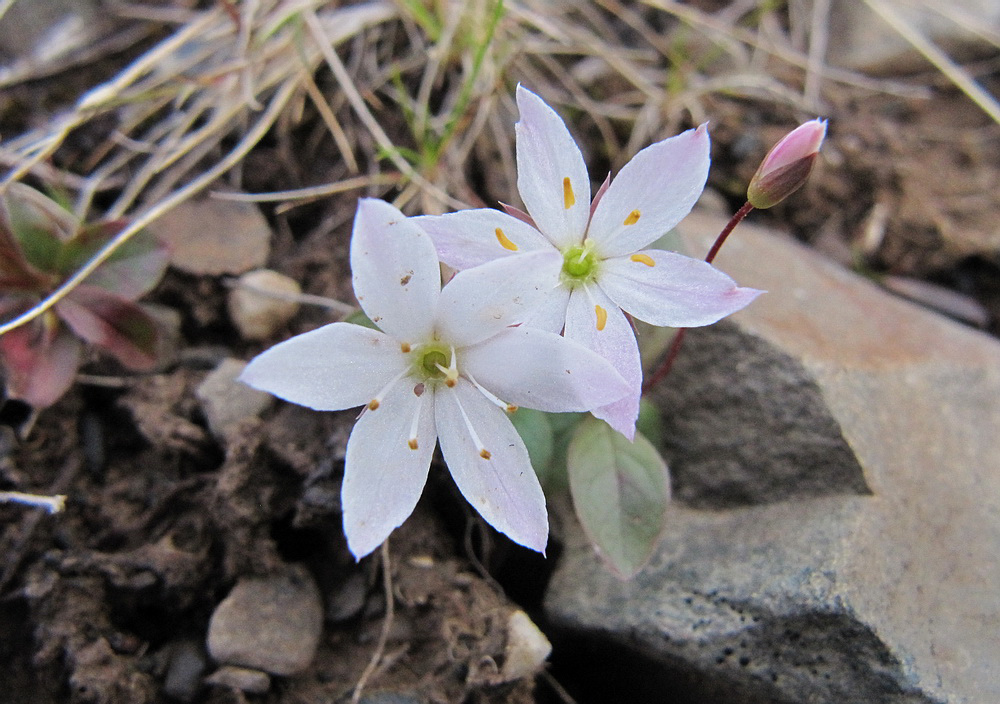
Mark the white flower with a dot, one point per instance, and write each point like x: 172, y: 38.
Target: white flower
x: 605, y: 268
x: 446, y: 366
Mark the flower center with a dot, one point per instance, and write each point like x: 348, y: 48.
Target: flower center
x: 579, y: 265
x: 435, y: 362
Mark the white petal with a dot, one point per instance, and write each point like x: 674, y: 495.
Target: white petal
x: 383, y: 477
x: 538, y: 369
x: 550, y: 314
x: 660, y: 184
x: 397, y: 278
x: 482, y: 301
x: 616, y: 343
x: 503, y: 488
x: 469, y: 238
x: 546, y: 157
x: 677, y: 291
x: 331, y: 368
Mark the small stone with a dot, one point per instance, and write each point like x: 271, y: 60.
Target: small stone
x: 241, y: 678
x: 187, y: 664
x: 269, y: 623
x: 262, y: 302
x: 527, y: 648
x: 227, y: 402
x: 211, y: 236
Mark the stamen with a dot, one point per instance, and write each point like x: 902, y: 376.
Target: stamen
x: 505, y: 241
x: 414, y: 425
x: 602, y: 317
x: 569, y: 200
x: 483, y: 452
x: 643, y: 259
x: 451, y: 371
x: 405, y: 347
x: 377, y: 401
x: 632, y: 218
x: 509, y: 407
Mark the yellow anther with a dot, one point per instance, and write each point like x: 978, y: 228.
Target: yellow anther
x: 505, y: 241
x: 643, y: 259
x: 568, y: 198
x: 632, y: 218
x: 485, y: 454
x: 405, y: 347
x: 511, y: 408
x: 602, y: 317
x: 450, y: 383
x: 412, y: 442
x: 373, y: 404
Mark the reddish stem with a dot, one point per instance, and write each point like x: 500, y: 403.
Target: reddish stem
x: 675, y: 346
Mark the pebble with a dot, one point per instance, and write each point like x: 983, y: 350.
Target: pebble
x: 187, y: 664
x: 227, y: 402
x: 527, y: 648
x: 262, y: 302
x: 241, y: 678
x: 269, y: 623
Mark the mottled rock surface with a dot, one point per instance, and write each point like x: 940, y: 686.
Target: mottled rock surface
x: 270, y: 623
x: 835, y: 459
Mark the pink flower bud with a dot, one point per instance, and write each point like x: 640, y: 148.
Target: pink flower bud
x: 786, y: 167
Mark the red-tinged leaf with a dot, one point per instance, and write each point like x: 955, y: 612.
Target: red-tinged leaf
x: 38, y: 223
x: 132, y: 270
x: 112, y: 323
x: 620, y: 490
x: 39, y: 361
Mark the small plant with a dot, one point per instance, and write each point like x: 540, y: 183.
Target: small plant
x: 538, y: 316
x: 41, y: 245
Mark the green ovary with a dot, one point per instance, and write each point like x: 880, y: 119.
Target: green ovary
x: 427, y: 361
x: 579, y: 265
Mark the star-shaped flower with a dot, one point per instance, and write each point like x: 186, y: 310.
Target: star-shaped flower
x: 436, y: 371
x: 605, y: 267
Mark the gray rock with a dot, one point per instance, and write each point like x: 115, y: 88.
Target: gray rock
x: 862, y: 39
x: 269, y: 623
x: 227, y: 402
x: 241, y: 678
x: 834, y: 451
x: 187, y: 665
x: 262, y: 302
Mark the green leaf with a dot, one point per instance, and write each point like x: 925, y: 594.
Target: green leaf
x: 358, y: 317
x: 535, y: 429
x: 620, y: 491
x: 132, y: 270
x: 39, y: 224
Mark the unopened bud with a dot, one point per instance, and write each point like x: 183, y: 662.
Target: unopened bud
x: 786, y: 167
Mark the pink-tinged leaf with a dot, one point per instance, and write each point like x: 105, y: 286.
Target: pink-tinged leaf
x: 38, y: 223
x: 112, y: 323
x: 383, y: 475
x: 397, y: 276
x: 132, y: 270
x: 519, y: 214
x: 39, y: 361
x: 600, y: 194
x: 669, y: 289
x: 651, y: 194
x: 551, y: 175
x: 495, y: 474
x: 621, y: 491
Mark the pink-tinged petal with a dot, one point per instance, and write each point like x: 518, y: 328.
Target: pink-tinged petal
x: 551, y: 175
x: 802, y: 142
x: 112, y: 323
x: 616, y: 343
x: 503, y: 488
x: 469, y: 238
x: 787, y: 166
x: 397, y: 277
x: 39, y: 363
x: 651, y: 194
x: 334, y: 367
x: 480, y: 302
x: 383, y: 475
x: 550, y: 314
x: 676, y: 291
x: 538, y: 369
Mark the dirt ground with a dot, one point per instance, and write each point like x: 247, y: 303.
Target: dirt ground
x: 162, y: 518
